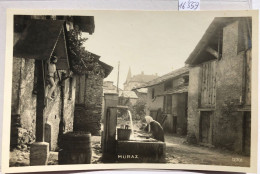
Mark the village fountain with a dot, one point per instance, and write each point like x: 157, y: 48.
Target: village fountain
x: 131, y: 148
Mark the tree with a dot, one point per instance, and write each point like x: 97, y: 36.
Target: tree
x: 82, y: 61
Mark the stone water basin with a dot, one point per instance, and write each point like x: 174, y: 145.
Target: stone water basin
x: 140, y: 150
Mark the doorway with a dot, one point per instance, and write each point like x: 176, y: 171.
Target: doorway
x: 205, y: 127
x: 247, y: 133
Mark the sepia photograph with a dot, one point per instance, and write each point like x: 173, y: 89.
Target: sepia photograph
x: 155, y: 88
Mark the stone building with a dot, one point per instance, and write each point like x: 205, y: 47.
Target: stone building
x: 219, y: 96
x: 167, y: 100
x: 127, y: 98
x: 89, y: 98
x: 109, y: 87
x: 137, y: 80
x: 36, y: 38
x: 141, y: 93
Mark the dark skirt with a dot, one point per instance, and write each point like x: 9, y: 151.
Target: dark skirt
x: 157, y: 131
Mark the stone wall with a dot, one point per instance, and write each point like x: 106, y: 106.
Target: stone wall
x: 228, y: 126
x: 23, y: 109
x: 54, y: 109
x: 157, y: 102
x: 69, y: 103
x: 88, y: 114
x: 24, y: 106
x: 193, y: 104
x: 226, y: 120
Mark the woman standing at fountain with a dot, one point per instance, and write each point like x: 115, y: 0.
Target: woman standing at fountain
x: 156, y: 128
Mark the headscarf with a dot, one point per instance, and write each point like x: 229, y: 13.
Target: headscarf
x: 148, y: 119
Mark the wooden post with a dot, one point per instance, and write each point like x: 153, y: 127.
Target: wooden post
x: 117, y: 78
x: 39, y: 151
x: 40, y: 105
x: 62, y: 96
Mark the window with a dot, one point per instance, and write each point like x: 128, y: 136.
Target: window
x: 168, y: 85
x: 167, y: 106
x: 220, y: 43
x: 244, y: 35
x: 186, y: 79
x: 153, y: 96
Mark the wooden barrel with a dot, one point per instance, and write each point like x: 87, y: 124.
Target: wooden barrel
x: 75, y: 148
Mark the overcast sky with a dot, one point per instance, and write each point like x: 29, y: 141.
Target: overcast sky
x: 153, y: 42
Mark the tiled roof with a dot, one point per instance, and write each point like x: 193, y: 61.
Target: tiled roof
x: 142, y: 90
x: 142, y: 78
x: 217, y: 24
x: 165, y: 77
x: 128, y: 94
x: 109, y: 91
x: 108, y: 87
x: 178, y: 90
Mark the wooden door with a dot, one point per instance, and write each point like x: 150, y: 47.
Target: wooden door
x: 167, y: 104
x: 174, y: 124
x: 80, y: 90
x: 205, y: 127
x: 247, y: 133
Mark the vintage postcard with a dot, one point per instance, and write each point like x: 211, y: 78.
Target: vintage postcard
x: 130, y: 89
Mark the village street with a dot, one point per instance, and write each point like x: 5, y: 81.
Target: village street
x: 177, y: 152
x: 68, y: 109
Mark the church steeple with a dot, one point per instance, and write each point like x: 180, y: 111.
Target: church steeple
x: 129, y: 75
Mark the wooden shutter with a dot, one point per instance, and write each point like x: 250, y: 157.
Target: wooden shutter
x: 208, y: 86
x: 248, y: 78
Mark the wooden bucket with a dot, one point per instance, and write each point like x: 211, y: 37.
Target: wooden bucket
x: 123, y: 134
x: 75, y: 148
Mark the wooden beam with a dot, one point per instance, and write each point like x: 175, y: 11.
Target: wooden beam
x: 40, y: 105
x: 212, y: 52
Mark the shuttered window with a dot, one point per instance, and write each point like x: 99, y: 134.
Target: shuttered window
x: 208, y: 85
x: 167, y: 107
x: 248, y: 78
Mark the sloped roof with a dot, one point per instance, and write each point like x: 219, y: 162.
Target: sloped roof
x: 109, y: 91
x: 177, y: 90
x: 217, y: 24
x: 128, y: 94
x: 142, y: 78
x: 165, y: 77
x: 142, y: 90
x: 39, y: 39
x: 108, y: 69
x: 94, y: 58
x: 109, y: 87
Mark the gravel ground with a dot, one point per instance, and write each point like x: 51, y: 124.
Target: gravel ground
x: 177, y: 152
